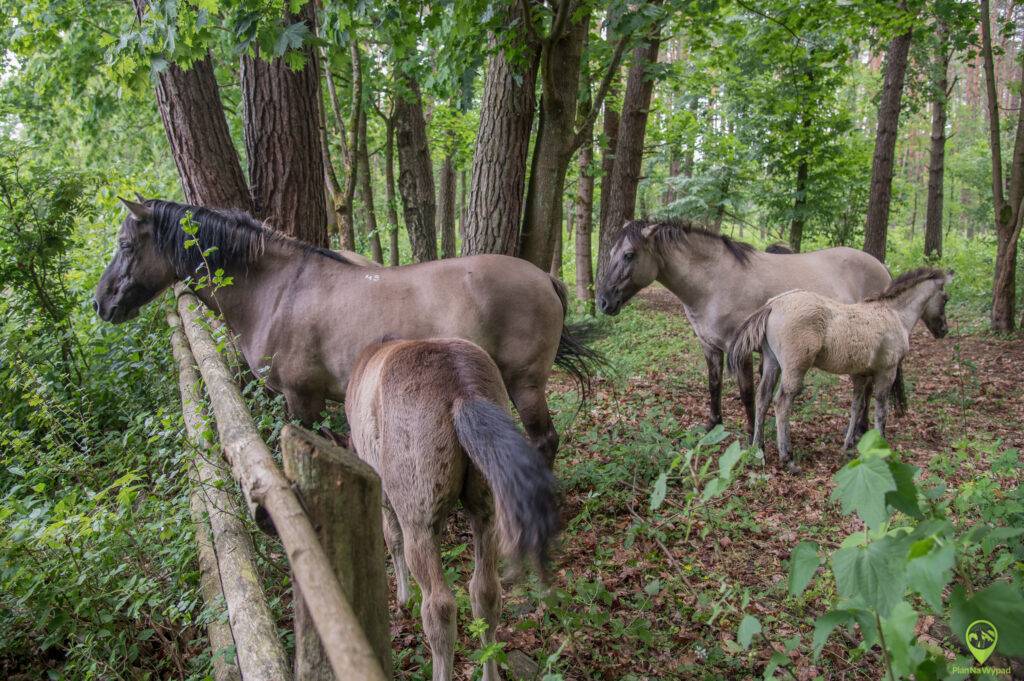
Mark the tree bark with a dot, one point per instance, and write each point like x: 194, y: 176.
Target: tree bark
x: 876, y: 228
x: 416, y: 173
x: 497, y: 185
x: 282, y: 140
x: 555, y: 144
x: 366, y: 192
x: 197, y: 130
x: 796, y: 226
x: 584, y: 226
x: 630, y: 147
x: 610, y: 131
x: 389, y: 189
x: 446, y: 207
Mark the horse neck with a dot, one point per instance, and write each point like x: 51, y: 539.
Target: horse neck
x: 694, y: 269
x: 909, y: 305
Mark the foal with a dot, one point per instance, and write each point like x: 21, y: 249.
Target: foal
x: 432, y: 419
x: 798, y: 330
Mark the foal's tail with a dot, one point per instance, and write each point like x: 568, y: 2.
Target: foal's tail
x: 749, y: 337
x: 573, y: 355
x: 898, y: 392
x: 521, y: 483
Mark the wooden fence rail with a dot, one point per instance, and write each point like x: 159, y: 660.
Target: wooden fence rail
x: 341, y: 548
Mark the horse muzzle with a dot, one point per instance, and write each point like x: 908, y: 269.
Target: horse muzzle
x: 609, y: 305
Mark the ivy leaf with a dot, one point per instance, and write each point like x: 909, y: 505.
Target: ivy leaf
x: 872, y: 576
x: 1001, y: 604
x: 825, y: 625
x: 749, y: 626
x: 803, y: 563
x: 861, y: 486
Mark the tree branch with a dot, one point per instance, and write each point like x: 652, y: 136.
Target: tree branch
x: 587, y: 124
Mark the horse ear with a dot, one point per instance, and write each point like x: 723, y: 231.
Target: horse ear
x: 949, y: 276
x: 140, y: 198
x: 140, y: 210
x: 648, y: 230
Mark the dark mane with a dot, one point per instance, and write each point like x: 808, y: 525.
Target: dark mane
x: 235, y: 237
x: 907, y: 281
x: 675, y: 231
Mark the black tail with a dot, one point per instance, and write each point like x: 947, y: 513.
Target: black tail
x: 522, y: 485
x: 573, y: 355
x: 898, y: 392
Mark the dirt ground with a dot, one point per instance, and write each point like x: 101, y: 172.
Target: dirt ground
x: 966, y: 396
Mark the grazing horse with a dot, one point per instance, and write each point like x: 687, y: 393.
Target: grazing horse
x: 867, y: 341
x: 431, y: 417
x: 721, y: 282
x: 303, y: 313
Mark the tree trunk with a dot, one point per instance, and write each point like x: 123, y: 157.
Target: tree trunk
x: 555, y: 268
x: 611, y: 140
x: 495, y: 201
x: 937, y: 156
x: 282, y: 140
x: 415, y: 173
x: 197, y: 130
x: 366, y: 192
x: 446, y: 207
x: 630, y: 148
x: 876, y: 228
x: 463, y: 190
x: 796, y: 226
x: 584, y: 226
x: 555, y: 144
x: 389, y: 189
x: 342, y: 204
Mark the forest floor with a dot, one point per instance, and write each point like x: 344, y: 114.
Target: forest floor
x: 641, y: 594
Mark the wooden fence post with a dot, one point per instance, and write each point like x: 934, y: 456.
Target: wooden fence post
x: 342, y: 497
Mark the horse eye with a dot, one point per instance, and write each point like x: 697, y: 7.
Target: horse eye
x: 124, y: 245
x: 629, y: 256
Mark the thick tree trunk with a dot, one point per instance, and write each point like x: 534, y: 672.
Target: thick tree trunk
x: 876, y: 228
x: 283, y: 143
x: 555, y: 268
x: 584, y: 226
x: 463, y: 190
x: 366, y: 192
x: 630, y: 148
x: 415, y: 173
x: 796, y: 226
x: 495, y: 202
x: 193, y: 118
x: 555, y: 144
x: 937, y: 158
x: 446, y: 207
x: 389, y: 189
x: 610, y: 132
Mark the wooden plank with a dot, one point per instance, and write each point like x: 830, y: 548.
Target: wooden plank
x: 269, y: 492
x: 228, y: 566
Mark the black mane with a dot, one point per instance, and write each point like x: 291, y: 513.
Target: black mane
x: 675, y: 231
x: 907, y: 281
x: 232, y: 238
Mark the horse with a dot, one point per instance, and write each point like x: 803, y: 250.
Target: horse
x: 431, y: 417
x: 721, y: 281
x: 302, y: 313
x: 867, y: 341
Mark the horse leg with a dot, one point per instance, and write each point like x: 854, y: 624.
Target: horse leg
x: 438, y: 609
x: 857, y: 407
x: 532, y: 406
x: 307, y: 409
x: 792, y: 384
x: 770, y: 370
x: 862, y: 418
x: 713, y: 356
x: 393, y: 539
x: 745, y: 379
x: 485, y: 586
x: 881, y: 388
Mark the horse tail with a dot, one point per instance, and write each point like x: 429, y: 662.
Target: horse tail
x: 898, y: 392
x: 749, y: 337
x: 521, y: 482
x: 573, y: 355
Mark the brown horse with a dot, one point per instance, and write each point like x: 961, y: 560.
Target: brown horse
x: 800, y: 330
x: 721, y: 282
x: 431, y: 417
x: 302, y: 313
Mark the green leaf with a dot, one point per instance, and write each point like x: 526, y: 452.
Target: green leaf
x: 1001, y: 604
x: 861, y: 486
x: 728, y: 460
x: 659, y: 491
x: 929, y: 573
x: 749, y: 626
x: 713, y: 436
x: 713, y: 488
x: 872, y: 443
x: 803, y: 563
x: 898, y: 629
x: 872, y: 576
x: 777, y: 660
x: 904, y: 497
x: 291, y: 38
x: 825, y: 625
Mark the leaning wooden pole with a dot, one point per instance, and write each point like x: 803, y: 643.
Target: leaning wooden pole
x: 228, y: 564
x: 348, y: 649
